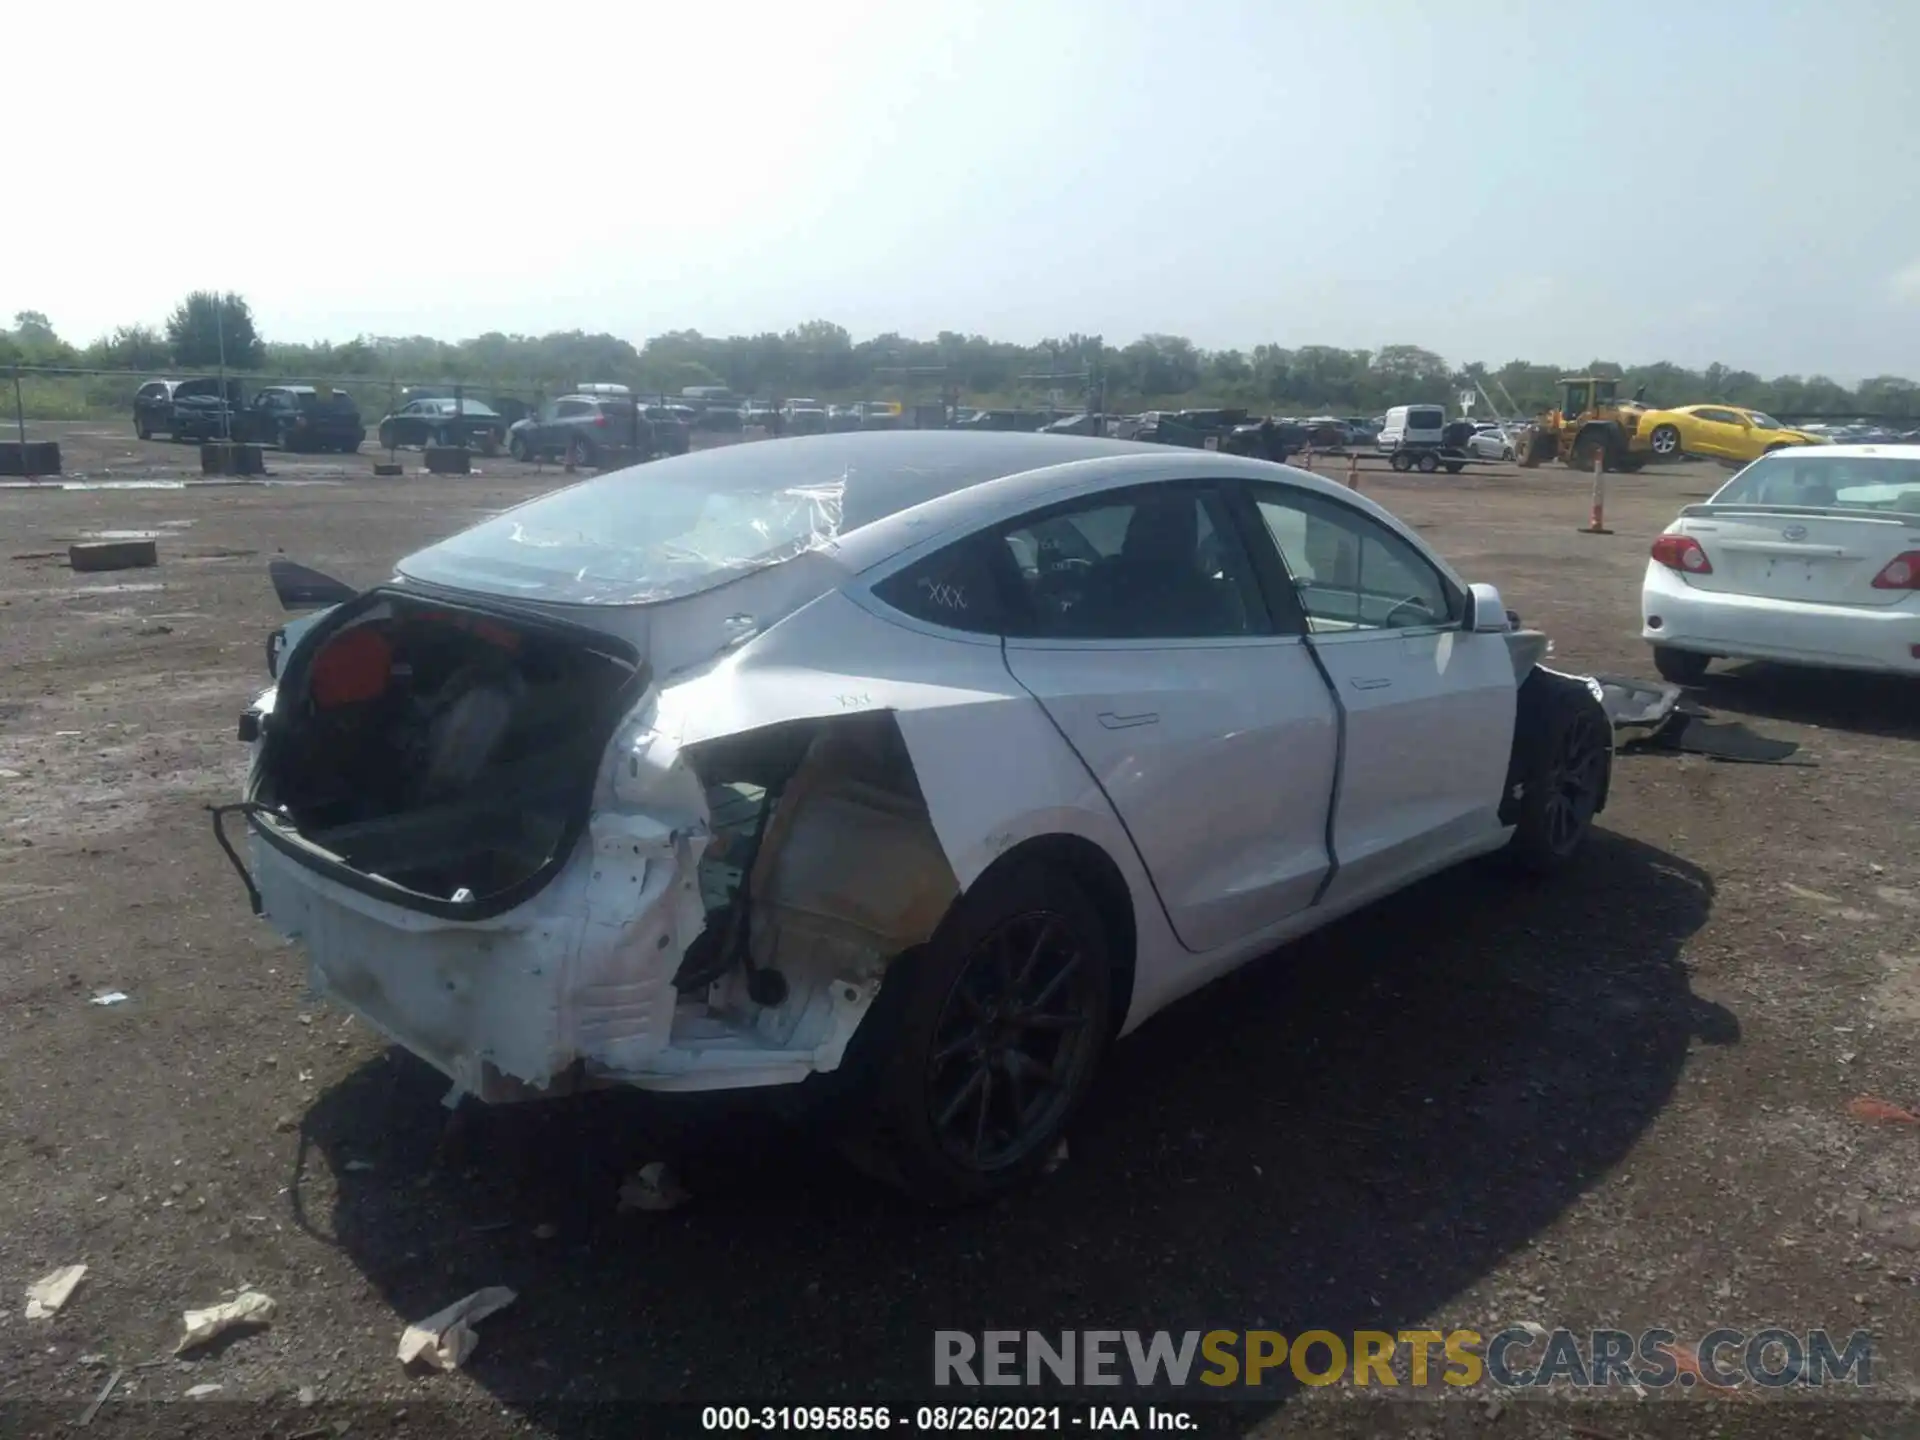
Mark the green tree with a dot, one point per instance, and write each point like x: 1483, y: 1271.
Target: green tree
x: 207, y: 329
x: 130, y: 347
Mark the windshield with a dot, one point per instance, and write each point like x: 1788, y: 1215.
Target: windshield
x: 1803, y: 479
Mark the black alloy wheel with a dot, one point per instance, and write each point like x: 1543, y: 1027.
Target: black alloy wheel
x: 1576, y: 778
x: 1012, y: 1043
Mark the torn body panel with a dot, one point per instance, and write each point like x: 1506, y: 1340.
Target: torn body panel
x: 845, y: 809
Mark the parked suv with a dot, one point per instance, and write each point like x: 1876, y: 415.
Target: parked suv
x: 301, y: 417
x: 182, y: 409
x: 584, y: 427
x: 445, y: 422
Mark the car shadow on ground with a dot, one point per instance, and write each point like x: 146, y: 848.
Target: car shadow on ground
x: 1341, y: 1136
x: 1867, y: 704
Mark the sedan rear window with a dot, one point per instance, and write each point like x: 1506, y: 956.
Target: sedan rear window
x: 312, y: 400
x: 1808, y: 479
x: 676, y: 527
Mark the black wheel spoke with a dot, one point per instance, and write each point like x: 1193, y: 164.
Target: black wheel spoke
x: 1052, y: 987
x: 1033, y: 956
x: 975, y: 1080
x: 1001, y: 1064
x: 1041, y: 1020
x: 959, y: 1046
x: 1015, y: 1063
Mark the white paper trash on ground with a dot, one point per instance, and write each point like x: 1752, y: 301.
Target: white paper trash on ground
x: 46, y: 1295
x: 444, y: 1340
x: 249, y: 1307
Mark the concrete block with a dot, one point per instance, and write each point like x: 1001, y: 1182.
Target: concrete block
x: 113, y: 555
x: 29, y: 458
x: 221, y: 457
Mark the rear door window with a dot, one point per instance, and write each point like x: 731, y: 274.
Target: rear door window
x: 963, y: 587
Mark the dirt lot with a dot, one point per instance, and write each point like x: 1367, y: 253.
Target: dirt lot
x: 1616, y: 1101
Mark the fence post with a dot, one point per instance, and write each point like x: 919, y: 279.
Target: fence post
x: 1353, y: 472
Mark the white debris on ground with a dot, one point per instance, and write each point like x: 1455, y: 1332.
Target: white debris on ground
x: 46, y: 1295
x: 249, y: 1307
x: 654, y: 1187
x: 112, y: 997
x: 445, y: 1339
x: 201, y: 1392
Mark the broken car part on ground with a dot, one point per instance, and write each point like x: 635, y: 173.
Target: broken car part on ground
x: 1014, y: 739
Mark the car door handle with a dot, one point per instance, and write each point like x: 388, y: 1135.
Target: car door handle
x: 1370, y: 682
x: 1127, y: 722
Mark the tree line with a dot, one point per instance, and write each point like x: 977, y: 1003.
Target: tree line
x: 822, y: 360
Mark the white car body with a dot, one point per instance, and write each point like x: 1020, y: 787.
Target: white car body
x: 1793, y: 567
x: 1490, y: 443
x: 1412, y: 426
x: 1237, y: 791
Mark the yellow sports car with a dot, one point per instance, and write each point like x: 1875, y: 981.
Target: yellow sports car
x: 1719, y: 432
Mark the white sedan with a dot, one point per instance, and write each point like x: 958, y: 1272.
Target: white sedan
x: 1490, y: 442
x: 1807, y: 556
x: 937, y: 760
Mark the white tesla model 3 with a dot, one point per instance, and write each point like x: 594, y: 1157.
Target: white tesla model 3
x: 932, y: 760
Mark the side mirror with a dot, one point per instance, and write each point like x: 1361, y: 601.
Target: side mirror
x: 1486, y: 615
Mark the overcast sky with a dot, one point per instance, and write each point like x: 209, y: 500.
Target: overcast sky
x: 1698, y: 180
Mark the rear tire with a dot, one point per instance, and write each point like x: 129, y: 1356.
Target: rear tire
x: 967, y: 1101
x: 141, y: 429
x: 1562, y: 766
x: 1401, y: 461
x: 1428, y: 463
x: 1680, y: 667
x: 1454, y: 467
x: 1586, y: 450
x: 517, y: 448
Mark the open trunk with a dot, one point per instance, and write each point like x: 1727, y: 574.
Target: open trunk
x: 439, y: 755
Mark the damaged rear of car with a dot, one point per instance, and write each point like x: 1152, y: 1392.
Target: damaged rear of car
x: 760, y: 770
x: 590, y: 794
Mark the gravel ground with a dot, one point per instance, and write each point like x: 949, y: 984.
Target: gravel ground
x: 1619, y: 1100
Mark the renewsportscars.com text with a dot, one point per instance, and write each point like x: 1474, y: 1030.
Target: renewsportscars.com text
x: 1514, y: 1357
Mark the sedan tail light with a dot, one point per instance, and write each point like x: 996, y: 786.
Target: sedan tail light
x: 1683, y: 553
x: 1901, y: 573
x: 600, y: 422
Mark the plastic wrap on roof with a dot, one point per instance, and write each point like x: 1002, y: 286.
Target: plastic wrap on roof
x: 686, y: 541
